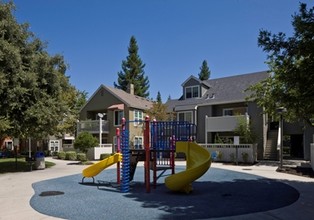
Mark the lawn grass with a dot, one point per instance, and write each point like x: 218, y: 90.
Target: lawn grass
x: 10, y: 165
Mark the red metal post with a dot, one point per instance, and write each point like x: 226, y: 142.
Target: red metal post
x: 147, y: 154
x: 172, y: 153
x: 154, y: 141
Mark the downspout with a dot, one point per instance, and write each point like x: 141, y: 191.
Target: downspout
x: 195, y: 117
x: 206, y: 130
x: 195, y: 114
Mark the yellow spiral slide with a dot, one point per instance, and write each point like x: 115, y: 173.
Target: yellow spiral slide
x: 198, y: 161
x: 96, y: 168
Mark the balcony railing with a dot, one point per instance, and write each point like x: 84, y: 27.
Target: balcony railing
x: 224, y: 123
x: 92, y: 126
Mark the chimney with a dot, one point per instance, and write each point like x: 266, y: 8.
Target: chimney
x: 131, y: 88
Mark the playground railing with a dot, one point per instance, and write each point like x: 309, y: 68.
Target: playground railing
x: 244, y: 153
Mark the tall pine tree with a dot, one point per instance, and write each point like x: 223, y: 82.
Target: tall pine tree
x: 159, y: 97
x: 205, y: 72
x: 133, y: 72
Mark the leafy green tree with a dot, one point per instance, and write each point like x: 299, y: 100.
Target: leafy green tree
x: 76, y: 100
x: 291, y: 63
x: 133, y: 72
x: 205, y: 72
x: 158, y: 112
x: 245, y: 131
x: 85, y: 141
x: 35, y: 93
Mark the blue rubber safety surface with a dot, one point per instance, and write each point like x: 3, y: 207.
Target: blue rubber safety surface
x: 218, y: 193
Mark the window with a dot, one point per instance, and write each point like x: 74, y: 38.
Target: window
x: 191, y: 92
x: 118, y: 115
x: 9, y: 145
x: 234, y: 111
x: 54, y: 145
x: 227, y: 112
x: 138, y: 117
x: 138, y: 142
x: 185, y: 116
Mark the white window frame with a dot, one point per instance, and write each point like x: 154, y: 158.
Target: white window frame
x: 138, y: 120
x: 192, y: 92
x: 54, y: 145
x: 225, y: 110
x: 138, y: 142
x: 119, y: 119
x: 185, y: 116
x: 9, y: 145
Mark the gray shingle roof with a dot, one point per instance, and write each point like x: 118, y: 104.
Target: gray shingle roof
x: 223, y: 90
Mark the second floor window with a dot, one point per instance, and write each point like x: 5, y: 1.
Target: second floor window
x: 118, y: 115
x: 138, y: 117
x: 185, y: 116
x: 191, y: 92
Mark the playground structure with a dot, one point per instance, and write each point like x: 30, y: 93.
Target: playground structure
x: 162, y: 141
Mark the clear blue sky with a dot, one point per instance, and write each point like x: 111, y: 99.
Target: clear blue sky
x: 174, y: 36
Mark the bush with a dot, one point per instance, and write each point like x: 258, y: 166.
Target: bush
x: 219, y: 155
x: 104, y: 156
x: 81, y: 157
x: 61, y: 155
x: 70, y: 155
x: 54, y: 154
x: 47, y: 153
x: 232, y: 157
x: 245, y: 157
x: 84, y: 141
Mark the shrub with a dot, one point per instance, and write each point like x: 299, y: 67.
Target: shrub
x: 219, y: 155
x: 84, y: 141
x: 47, y: 153
x: 54, y: 154
x: 61, y: 155
x: 81, y: 157
x: 70, y: 155
x: 232, y: 157
x: 245, y: 157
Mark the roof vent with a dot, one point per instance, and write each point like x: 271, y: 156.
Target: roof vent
x: 212, y: 96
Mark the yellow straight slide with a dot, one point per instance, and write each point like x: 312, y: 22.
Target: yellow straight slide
x: 96, y: 168
x: 198, y: 161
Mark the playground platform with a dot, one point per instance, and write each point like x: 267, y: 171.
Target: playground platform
x: 224, y: 192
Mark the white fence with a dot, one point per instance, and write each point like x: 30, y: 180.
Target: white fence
x: 244, y: 153
x: 95, y: 152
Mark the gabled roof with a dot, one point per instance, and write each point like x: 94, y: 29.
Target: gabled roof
x: 128, y: 99
x: 188, y: 79
x: 203, y: 82
x: 132, y: 101
x: 223, y: 90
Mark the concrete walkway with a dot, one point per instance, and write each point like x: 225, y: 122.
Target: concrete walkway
x: 16, y: 191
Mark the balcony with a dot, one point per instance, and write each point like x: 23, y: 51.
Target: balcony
x: 92, y: 126
x: 224, y: 123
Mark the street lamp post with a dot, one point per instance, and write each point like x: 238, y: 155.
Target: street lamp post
x: 100, y: 115
x: 280, y: 111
